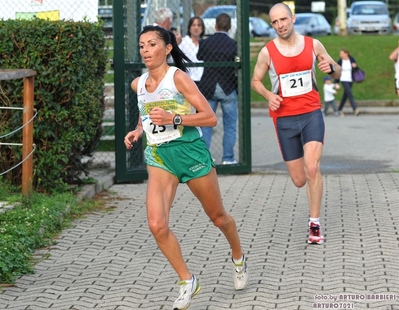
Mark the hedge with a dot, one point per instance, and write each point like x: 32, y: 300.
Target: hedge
x: 70, y: 59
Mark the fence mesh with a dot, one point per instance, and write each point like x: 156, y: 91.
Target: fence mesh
x: 224, y: 142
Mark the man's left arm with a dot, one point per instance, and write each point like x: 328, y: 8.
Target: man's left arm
x: 326, y: 64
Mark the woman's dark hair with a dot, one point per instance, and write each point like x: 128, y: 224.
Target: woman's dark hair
x: 191, y: 22
x: 169, y: 37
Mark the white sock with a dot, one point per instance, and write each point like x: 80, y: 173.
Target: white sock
x: 190, y: 281
x: 238, y: 261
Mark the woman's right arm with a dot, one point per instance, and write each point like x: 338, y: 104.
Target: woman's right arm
x: 134, y: 135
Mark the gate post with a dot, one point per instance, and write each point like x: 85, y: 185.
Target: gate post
x: 27, y: 131
x: 27, y: 135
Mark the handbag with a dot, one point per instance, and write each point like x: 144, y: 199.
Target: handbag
x: 358, y: 75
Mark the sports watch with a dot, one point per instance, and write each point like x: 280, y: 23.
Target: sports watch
x: 332, y: 67
x: 177, y: 120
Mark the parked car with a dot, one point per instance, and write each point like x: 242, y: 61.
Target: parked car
x: 395, y: 23
x: 105, y: 13
x: 369, y: 17
x: 312, y: 24
x: 212, y: 12
x: 258, y: 27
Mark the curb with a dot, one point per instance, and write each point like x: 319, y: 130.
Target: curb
x: 104, y: 181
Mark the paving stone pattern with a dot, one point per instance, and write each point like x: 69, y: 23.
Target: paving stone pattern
x: 109, y: 260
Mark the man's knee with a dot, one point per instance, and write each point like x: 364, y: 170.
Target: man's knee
x: 299, y: 181
x: 312, y: 171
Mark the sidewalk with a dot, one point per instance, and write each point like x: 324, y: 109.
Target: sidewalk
x: 110, y: 260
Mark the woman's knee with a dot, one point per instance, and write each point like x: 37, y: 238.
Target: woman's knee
x: 158, y: 227
x: 221, y: 219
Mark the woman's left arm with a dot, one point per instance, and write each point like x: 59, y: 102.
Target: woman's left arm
x: 353, y: 62
x: 205, y: 116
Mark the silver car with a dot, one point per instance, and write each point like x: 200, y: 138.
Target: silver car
x: 312, y: 24
x: 369, y: 17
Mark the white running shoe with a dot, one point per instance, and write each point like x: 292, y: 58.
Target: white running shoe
x: 187, y: 291
x: 226, y: 162
x: 240, y: 275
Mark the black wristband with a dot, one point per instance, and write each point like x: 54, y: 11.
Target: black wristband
x: 332, y: 69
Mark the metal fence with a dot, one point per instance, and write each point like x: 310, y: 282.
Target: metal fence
x: 182, y: 10
x: 128, y: 65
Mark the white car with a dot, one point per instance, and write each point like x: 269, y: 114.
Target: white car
x: 212, y: 12
x: 369, y: 17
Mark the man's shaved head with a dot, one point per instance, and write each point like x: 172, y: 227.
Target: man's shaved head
x: 281, y: 6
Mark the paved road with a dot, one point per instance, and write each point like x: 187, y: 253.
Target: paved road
x: 109, y: 260
x: 367, y: 143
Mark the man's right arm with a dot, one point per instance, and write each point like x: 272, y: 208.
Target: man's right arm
x: 261, y: 68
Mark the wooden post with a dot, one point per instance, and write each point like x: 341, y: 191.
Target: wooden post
x: 27, y: 132
x: 27, y: 135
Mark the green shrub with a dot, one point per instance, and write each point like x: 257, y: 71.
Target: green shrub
x: 69, y: 59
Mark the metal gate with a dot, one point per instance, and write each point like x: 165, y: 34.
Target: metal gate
x: 128, y: 18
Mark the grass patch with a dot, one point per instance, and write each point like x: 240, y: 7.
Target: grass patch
x: 106, y: 146
x: 33, y: 223
x: 371, y: 53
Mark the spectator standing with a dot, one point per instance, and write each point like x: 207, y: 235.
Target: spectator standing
x: 176, y: 153
x: 219, y: 84
x: 294, y: 104
x: 329, y: 96
x: 164, y: 18
x: 347, y: 63
x: 190, y: 45
x: 394, y: 56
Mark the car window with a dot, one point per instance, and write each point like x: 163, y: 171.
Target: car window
x: 318, y: 20
x: 302, y: 20
x: 369, y: 9
x: 258, y: 22
x: 214, y: 12
x: 322, y: 20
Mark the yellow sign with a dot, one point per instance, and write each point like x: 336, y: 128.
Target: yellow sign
x: 49, y: 15
x: 291, y: 5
